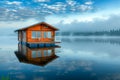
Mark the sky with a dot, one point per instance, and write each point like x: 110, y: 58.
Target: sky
x: 68, y: 15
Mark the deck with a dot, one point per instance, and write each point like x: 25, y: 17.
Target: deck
x: 39, y: 44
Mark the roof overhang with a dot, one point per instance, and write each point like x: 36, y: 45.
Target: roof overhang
x: 44, y: 23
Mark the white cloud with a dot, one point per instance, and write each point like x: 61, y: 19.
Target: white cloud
x: 18, y: 24
x: 68, y: 19
x: 86, y: 21
x: 85, y: 7
x: 41, y: 0
x: 56, y: 7
x: 89, y: 2
x: 98, y: 23
x: 71, y: 2
x: 40, y: 11
x: 82, y: 17
x: 14, y: 2
x: 75, y: 6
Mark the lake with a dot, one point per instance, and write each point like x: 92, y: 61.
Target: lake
x: 77, y: 59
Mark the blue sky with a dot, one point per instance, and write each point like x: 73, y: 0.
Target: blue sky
x: 24, y: 9
x: 20, y: 13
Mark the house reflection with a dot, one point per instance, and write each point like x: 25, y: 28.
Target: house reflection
x: 36, y: 56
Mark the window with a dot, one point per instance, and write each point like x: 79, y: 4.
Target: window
x: 47, y: 34
x: 36, y: 34
x: 33, y: 34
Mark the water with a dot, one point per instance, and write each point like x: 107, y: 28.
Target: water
x: 77, y: 59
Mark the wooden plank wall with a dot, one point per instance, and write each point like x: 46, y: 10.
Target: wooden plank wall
x: 42, y: 29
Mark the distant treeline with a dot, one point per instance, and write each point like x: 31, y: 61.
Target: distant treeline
x: 96, y: 33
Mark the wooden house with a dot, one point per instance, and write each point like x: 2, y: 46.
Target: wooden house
x: 41, y: 34
x: 37, y: 56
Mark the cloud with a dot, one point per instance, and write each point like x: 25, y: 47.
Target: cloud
x: 85, y: 7
x: 89, y: 2
x: 13, y: 2
x: 68, y: 19
x: 75, y: 6
x: 20, y: 14
x: 71, y: 2
x: 41, y: 0
x: 55, y: 7
x: 18, y: 11
x: 17, y: 24
x: 68, y: 6
x: 81, y: 22
x: 90, y: 23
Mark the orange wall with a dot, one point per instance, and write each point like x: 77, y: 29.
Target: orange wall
x: 42, y: 29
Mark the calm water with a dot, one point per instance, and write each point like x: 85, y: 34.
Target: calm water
x: 77, y: 59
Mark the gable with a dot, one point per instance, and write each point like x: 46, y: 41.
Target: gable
x: 39, y: 26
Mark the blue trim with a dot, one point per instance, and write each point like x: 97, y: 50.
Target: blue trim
x: 38, y: 45
x: 41, y: 45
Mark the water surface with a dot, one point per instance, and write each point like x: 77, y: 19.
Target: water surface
x: 77, y: 59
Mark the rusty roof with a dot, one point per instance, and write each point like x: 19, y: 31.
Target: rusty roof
x: 21, y: 29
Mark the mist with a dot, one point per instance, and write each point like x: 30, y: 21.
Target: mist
x: 112, y: 23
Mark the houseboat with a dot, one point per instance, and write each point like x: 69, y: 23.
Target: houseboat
x: 37, y: 35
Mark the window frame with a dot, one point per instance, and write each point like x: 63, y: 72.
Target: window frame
x: 37, y: 34
x: 46, y: 34
x: 49, y: 35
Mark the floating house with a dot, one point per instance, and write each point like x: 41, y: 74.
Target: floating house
x: 37, y: 35
x: 36, y: 56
